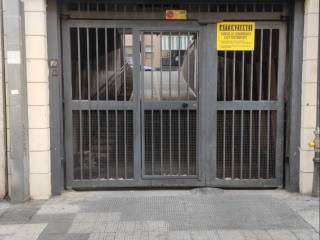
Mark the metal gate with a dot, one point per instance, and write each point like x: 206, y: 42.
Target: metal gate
x: 250, y: 111
x: 99, y: 103
x: 169, y: 78
x: 130, y: 104
x: 154, y: 104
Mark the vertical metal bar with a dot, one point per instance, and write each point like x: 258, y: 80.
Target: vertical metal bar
x: 90, y: 146
x: 188, y: 142
x: 188, y: 66
x: 234, y: 77
x: 125, y: 99
x: 152, y: 143
x: 224, y: 115
x: 251, y: 76
x: 88, y: 66
x: 259, y: 142
x: 250, y: 146
x: 97, y: 66
x: 99, y: 145
x: 233, y: 112
x: 268, y: 142
x: 161, y: 67
x: 89, y: 98
x: 170, y: 63
x: 161, y: 139
x: 142, y: 126
x: 115, y: 63
x: 125, y: 145
x: 242, y: 98
x: 224, y: 145
x: 80, y: 97
x: 170, y: 142
x: 79, y: 63
x: 269, y: 64
x: 179, y: 39
x: 138, y: 114
x: 117, y: 147
x: 179, y: 142
x: 260, y: 98
x: 232, y: 161
x: 242, y: 77
x: 124, y: 64
x: 152, y: 66
x: 250, y: 128
x: 269, y: 95
x: 98, y: 98
x: 261, y: 65
x: 225, y: 77
x: 108, y: 153
x: 106, y: 67
x: 81, y: 146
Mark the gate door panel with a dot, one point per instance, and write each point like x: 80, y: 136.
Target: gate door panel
x: 99, y: 102
x: 250, y: 111
x: 169, y: 83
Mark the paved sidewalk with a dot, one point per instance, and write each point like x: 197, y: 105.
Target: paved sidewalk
x: 199, y: 214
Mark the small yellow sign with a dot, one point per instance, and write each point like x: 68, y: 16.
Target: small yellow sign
x: 176, y: 14
x: 235, y: 36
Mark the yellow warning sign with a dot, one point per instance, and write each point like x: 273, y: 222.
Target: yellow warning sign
x: 235, y: 36
x: 176, y: 14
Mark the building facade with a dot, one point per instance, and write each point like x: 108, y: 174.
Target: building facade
x: 109, y: 94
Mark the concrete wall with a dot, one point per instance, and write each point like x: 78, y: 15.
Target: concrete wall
x: 3, y: 158
x: 309, y: 93
x: 38, y: 99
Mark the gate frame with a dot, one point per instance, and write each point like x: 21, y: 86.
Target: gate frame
x: 206, y: 112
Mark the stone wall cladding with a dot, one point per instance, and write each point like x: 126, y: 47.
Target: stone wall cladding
x: 309, y: 93
x: 38, y: 98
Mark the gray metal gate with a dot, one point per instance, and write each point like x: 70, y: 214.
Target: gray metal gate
x: 99, y: 103
x: 113, y: 83
x: 250, y: 111
x: 169, y: 77
x: 154, y: 104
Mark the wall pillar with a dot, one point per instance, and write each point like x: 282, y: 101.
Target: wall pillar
x: 294, y: 110
x: 17, y: 97
x: 309, y: 93
x: 3, y: 143
x: 38, y: 97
